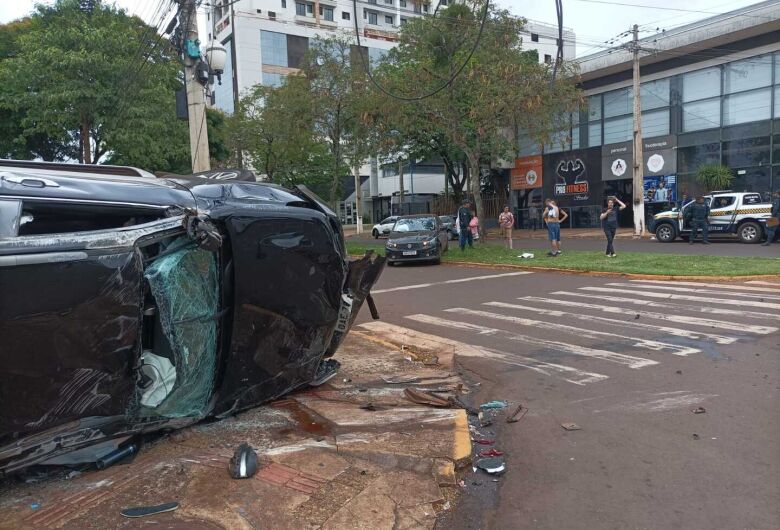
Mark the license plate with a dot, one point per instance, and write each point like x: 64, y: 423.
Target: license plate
x: 410, y: 252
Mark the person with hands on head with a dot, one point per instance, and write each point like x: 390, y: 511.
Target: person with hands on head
x: 609, y: 222
x: 507, y: 221
x: 553, y: 216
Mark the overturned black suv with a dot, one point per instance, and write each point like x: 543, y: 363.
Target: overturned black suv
x: 131, y: 304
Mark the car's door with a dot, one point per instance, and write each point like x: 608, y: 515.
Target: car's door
x: 70, y: 321
x: 723, y: 211
x: 387, y: 225
x: 685, y: 223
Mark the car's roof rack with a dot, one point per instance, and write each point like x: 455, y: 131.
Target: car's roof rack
x: 721, y: 191
x: 90, y: 169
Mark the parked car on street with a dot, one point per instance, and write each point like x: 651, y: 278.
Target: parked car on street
x: 384, y: 226
x: 132, y: 304
x: 743, y: 214
x: 448, y: 222
x: 416, y: 238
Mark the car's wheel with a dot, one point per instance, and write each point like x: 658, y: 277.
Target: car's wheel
x: 665, y: 233
x: 375, y: 233
x: 749, y: 232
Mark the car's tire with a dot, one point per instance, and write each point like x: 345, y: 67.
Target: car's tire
x: 375, y: 233
x: 665, y: 233
x: 750, y: 232
x: 437, y: 261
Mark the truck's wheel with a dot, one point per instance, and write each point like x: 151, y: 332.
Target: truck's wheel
x: 749, y: 232
x: 665, y: 233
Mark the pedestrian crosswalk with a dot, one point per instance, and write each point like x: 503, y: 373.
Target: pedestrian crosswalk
x: 636, y: 324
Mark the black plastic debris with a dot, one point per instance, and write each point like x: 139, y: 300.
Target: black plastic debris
x: 143, y: 511
x: 699, y: 410
x: 695, y: 436
x: 493, y: 465
x: 244, y: 462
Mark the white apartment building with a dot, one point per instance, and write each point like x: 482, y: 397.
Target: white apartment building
x: 267, y: 39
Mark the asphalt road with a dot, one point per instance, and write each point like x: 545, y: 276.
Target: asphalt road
x: 629, y: 374
x: 719, y: 247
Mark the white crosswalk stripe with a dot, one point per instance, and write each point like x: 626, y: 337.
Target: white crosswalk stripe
x: 671, y: 317
x: 687, y: 298
x: 629, y: 324
x: 448, y: 282
x: 717, y: 285
x: 575, y: 349
x: 567, y: 373
x: 580, y: 332
x: 678, y: 289
x: 673, y: 307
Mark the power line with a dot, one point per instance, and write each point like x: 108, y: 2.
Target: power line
x: 662, y: 8
x: 440, y: 88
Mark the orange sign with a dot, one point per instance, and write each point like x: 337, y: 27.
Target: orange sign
x: 527, y: 173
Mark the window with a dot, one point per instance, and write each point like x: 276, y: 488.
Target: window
x: 310, y: 9
x: 594, y: 108
x: 389, y: 20
x: 746, y: 152
x: 750, y: 73
x: 272, y: 15
x: 690, y: 158
x: 372, y: 18
x: 426, y: 7
x: 777, y: 100
x: 345, y: 15
x: 402, y: 3
x: 273, y: 48
x: 300, y: 9
x: 655, y: 94
x: 443, y: 2
x: 723, y: 201
x: 534, y: 37
x: 275, y: 80
x: 403, y: 21
x: 389, y: 2
x: 284, y: 4
x: 655, y: 123
x: 372, y: 2
x: 618, y: 130
x: 594, y: 134
x: 754, y: 198
x: 618, y: 102
x: 547, y: 58
x: 328, y: 14
x: 747, y: 106
x: 701, y: 115
x: 701, y: 84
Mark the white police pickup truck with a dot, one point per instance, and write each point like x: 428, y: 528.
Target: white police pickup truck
x: 740, y: 213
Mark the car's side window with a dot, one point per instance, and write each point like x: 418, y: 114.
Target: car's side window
x: 10, y: 215
x: 723, y: 202
x: 753, y: 198
x: 40, y: 217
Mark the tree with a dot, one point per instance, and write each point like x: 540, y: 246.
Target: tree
x: 484, y: 94
x: 714, y: 177
x: 85, y: 81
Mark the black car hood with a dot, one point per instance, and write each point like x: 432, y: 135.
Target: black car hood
x: 411, y: 237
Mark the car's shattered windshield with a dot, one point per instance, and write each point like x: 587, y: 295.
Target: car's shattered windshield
x: 419, y: 224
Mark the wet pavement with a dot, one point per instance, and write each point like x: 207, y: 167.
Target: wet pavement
x: 629, y: 362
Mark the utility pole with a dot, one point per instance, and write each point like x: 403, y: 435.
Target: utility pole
x: 196, y: 103
x: 400, y: 186
x: 358, y: 201
x: 639, y: 188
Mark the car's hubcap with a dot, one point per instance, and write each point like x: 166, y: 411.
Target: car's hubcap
x: 749, y: 233
x: 664, y: 233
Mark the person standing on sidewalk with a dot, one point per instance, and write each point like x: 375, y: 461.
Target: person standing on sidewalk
x: 464, y: 231
x: 774, y: 220
x: 609, y: 222
x: 698, y: 215
x: 552, y: 217
x: 507, y: 221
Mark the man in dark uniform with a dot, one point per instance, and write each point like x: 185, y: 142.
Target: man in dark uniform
x: 464, y: 218
x: 698, y: 215
x: 772, y: 230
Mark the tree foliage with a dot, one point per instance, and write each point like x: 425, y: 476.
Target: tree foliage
x: 500, y: 87
x: 82, y: 80
x: 714, y: 177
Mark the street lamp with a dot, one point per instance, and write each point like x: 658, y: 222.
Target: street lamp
x: 216, y: 57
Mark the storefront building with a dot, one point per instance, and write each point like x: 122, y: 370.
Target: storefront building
x: 710, y: 94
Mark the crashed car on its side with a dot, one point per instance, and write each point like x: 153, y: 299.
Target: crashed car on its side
x: 132, y: 304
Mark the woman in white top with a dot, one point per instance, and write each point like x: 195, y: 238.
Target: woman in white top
x: 553, y: 216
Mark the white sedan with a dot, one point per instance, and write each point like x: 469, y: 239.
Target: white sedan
x: 384, y: 227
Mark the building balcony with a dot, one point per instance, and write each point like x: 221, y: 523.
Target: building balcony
x: 376, y: 32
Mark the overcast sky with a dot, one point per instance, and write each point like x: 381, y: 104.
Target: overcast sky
x: 593, y: 21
